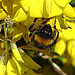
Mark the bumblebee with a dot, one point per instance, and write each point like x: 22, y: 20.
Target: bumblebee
x: 43, y: 36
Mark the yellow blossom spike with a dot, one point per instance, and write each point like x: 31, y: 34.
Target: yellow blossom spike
x: 69, y: 11
x: 62, y: 3
x: 60, y: 47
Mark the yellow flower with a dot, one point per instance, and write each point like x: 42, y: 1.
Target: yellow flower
x: 50, y: 8
x: 67, y: 42
x: 14, y: 10
x: 21, y: 9
x: 68, y: 11
x: 68, y: 34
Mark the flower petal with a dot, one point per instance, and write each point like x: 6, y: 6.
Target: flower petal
x: 55, y: 10
x: 25, y: 4
x: 20, y: 16
x: 66, y: 35
x: 48, y: 6
x: 44, y: 8
x: 2, y: 14
x: 60, y: 47
x: 71, y: 48
x: 69, y: 11
x: 62, y: 3
x: 35, y: 8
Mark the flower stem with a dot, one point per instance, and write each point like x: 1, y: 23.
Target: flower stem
x: 6, y: 50
x: 57, y: 68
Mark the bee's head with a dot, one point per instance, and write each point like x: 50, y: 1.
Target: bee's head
x: 45, y: 32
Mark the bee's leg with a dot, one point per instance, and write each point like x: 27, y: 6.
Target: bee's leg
x: 30, y: 34
x: 53, y: 53
x: 54, y: 30
x: 31, y: 26
x: 55, y: 40
x: 56, y: 37
x: 53, y: 34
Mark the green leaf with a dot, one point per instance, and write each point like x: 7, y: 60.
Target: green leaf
x: 29, y: 62
x: 10, y: 29
x: 73, y: 3
x: 31, y: 72
x: 16, y: 52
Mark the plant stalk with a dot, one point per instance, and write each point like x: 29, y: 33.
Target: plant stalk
x: 56, y: 68
x: 6, y: 50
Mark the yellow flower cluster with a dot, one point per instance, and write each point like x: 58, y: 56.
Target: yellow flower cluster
x: 20, y: 10
x: 67, y: 42
x: 25, y: 11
